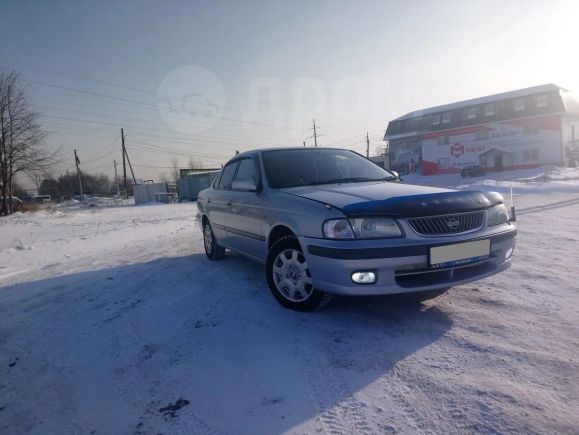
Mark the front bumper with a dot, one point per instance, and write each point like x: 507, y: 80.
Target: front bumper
x: 401, y: 265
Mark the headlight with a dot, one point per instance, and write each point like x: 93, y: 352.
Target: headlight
x: 338, y: 229
x: 375, y: 228
x: 497, y: 215
x: 361, y: 228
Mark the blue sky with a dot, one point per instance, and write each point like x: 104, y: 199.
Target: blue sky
x: 351, y: 65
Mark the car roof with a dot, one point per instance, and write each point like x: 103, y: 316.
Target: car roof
x: 260, y: 150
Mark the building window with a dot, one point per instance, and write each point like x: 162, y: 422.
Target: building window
x: 443, y: 140
x: 519, y: 104
x: 401, y: 127
x: 481, y: 135
x: 489, y: 110
x: 531, y: 155
x: 436, y: 120
x: 470, y: 113
x: 531, y: 129
x: 542, y: 100
x: 446, y: 118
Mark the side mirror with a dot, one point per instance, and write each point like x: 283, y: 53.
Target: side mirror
x: 395, y: 174
x: 244, y: 185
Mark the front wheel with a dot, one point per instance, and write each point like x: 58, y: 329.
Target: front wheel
x: 289, y: 278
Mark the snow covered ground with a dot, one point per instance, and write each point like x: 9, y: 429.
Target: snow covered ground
x: 112, y: 320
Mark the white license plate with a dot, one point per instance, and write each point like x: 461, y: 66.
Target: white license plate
x: 460, y: 253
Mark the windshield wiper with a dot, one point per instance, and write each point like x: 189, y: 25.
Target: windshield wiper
x: 388, y: 178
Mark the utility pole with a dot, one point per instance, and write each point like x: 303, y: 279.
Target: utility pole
x: 116, y: 177
x: 130, y: 166
x: 367, y: 145
x: 77, y: 161
x: 124, y: 164
x: 315, y: 134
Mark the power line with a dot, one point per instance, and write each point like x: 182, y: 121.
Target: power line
x: 136, y: 126
x: 145, y: 104
x: 203, y: 142
x: 345, y: 140
x: 108, y: 83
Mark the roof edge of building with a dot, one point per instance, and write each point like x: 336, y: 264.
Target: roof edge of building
x: 549, y: 87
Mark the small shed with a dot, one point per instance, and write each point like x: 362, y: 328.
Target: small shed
x: 148, y: 192
x: 190, y: 186
x: 496, y: 158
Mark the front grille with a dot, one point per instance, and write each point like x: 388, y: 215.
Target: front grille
x: 448, y: 224
x: 444, y: 276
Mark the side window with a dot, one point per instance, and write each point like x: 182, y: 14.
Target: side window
x: 247, y: 170
x: 217, y: 179
x: 227, y: 176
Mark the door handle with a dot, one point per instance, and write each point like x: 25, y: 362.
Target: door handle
x: 208, y: 200
x: 228, y: 202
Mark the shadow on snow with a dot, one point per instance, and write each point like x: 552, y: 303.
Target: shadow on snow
x: 111, y: 350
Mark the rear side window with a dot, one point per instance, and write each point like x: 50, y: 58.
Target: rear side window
x: 246, y: 170
x: 217, y: 180
x: 227, y: 176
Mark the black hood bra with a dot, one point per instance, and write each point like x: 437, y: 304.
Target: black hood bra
x: 430, y: 204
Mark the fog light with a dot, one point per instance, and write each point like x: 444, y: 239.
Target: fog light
x: 364, y: 277
x: 509, y: 253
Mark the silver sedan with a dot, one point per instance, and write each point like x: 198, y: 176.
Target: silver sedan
x: 327, y: 221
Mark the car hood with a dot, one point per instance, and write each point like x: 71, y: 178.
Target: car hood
x: 395, y: 199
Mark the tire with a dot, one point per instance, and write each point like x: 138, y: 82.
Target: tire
x: 289, y: 278
x: 212, y: 249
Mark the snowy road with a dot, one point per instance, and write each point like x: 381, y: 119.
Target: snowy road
x: 113, y: 321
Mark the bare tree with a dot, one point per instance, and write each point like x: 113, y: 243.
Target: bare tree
x: 163, y: 177
x: 175, y: 173
x: 22, y: 140
x: 194, y: 163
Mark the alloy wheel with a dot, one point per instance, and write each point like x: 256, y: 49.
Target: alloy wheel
x: 292, y: 276
x: 208, y: 239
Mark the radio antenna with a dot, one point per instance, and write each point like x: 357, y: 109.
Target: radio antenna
x: 513, y: 213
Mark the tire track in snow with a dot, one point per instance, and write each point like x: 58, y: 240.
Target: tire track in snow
x: 338, y: 410
x: 397, y: 389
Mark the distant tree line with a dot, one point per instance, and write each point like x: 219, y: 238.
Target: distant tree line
x: 23, y: 147
x: 67, y: 186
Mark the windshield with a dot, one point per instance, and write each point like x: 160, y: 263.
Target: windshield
x: 308, y: 167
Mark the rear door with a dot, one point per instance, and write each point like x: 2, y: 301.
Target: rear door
x: 219, y: 201
x: 243, y: 218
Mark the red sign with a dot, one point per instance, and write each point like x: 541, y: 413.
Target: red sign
x: 457, y: 150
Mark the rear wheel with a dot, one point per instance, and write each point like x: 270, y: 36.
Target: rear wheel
x: 289, y: 278
x: 212, y: 249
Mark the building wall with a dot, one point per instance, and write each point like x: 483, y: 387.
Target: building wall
x: 570, y: 137
x: 147, y: 192
x: 521, y: 143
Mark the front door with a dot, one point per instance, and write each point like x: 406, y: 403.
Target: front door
x: 498, y: 163
x: 244, y: 214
